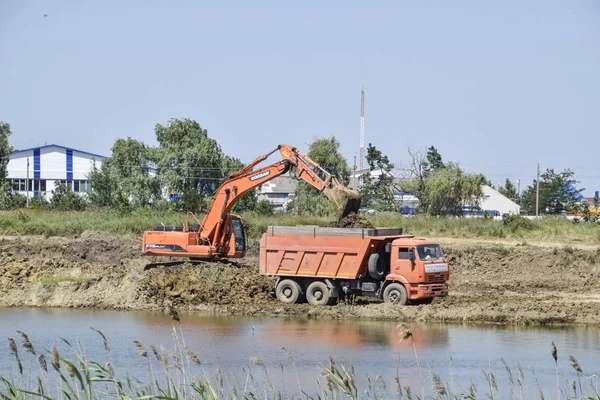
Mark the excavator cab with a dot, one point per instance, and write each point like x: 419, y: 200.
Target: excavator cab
x: 239, y: 236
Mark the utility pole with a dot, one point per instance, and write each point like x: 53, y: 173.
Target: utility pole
x: 537, y: 192
x: 362, y: 131
x: 354, y: 174
x: 27, y: 183
x: 519, y: 191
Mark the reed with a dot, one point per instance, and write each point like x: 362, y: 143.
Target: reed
x: 102, y: 379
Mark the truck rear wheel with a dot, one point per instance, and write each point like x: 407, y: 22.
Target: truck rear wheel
x: 378, y: 266
x: 288, y: 291
x: 317, y: 294
x: 395, y: 293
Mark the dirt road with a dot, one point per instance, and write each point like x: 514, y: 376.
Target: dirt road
x: 505, y: 282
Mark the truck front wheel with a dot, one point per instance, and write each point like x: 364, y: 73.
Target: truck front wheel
x: 395, y: 293
x: 288, y: 291
x: 317, y: 294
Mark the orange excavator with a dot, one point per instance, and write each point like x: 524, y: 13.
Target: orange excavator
x: 221, y: 234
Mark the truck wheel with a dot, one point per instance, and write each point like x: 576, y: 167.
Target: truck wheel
x: 317, y: 294
x: 378, y: 266
x: 288, y: 291
x: 395, y: 293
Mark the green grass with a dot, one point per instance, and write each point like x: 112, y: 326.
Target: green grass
x: 500, y: 250
x: 48, y: 223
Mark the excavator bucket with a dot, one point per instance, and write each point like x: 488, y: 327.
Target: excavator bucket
x: 345, y: 200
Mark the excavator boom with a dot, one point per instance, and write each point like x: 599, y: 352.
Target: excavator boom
x: 213, y: 238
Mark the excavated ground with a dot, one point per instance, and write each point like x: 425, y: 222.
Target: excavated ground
x: 490, y: 282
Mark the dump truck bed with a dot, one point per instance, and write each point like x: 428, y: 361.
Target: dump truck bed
x: 311, y: 251
x: 325, y: 231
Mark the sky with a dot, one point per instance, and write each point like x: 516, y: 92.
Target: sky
x: 495, y: 86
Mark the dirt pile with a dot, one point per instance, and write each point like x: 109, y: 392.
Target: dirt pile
x: 107, y: 271
x: 352, y: 220
x: 506, y: 283
x: 206, y: 283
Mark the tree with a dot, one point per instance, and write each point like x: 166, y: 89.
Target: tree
x: 189, y: 162
x: 509, y: 190
x: 248, y: 201
x: 557, y: 193
x: 442, y: 188
x: 433, y: 162
x: 125, y: 177
x: 105, y: 190
x: 448, y: 189
x: 5, y: 151
x: 326, y: 153
x: 378, y: 188
x: 483, y: 180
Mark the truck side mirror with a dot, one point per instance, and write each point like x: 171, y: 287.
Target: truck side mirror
x: 411, y: 254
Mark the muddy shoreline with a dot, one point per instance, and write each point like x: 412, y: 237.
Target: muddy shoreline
x: 508, y: 282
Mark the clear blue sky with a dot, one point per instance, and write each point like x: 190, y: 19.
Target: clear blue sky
x: 496, y: 86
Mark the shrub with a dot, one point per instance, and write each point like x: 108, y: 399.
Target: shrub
x: 65, y: 200
x: 12, y: 201
x: 264, y: 207
x: 516, y: 222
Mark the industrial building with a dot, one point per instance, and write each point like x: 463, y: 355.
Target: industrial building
x: 35, y: 171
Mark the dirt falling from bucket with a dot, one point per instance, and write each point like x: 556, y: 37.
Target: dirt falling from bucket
x: 345, y: 200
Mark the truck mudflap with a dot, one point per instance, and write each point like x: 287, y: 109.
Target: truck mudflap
x: 423, y: 291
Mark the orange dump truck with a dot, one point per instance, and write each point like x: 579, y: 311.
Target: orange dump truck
x: 320, y: 265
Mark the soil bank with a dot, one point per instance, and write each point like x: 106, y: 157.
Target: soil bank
x: 501, y: 283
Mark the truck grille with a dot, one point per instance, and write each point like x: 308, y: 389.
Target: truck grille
x: 435, y: 278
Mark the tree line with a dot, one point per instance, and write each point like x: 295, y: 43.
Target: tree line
x: 185, y: 169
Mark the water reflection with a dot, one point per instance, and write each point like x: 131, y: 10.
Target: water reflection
x: 374, y: 347
x: 352, y: 334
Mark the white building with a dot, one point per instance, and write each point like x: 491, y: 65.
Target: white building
x: 494, y: 200
x: 278, y: 191
x: 35, y: 171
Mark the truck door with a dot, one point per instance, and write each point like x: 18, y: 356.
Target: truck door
x: 405, y: 263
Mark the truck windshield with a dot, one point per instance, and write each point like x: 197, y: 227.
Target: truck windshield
x: 429, y: 251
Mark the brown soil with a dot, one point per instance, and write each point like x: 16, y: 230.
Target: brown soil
x: 490, y: 282
x: 352, y: 220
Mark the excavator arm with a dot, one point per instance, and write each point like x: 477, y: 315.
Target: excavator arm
x: 211, y: 229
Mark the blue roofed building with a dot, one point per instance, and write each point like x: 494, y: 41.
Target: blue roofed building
x: 36, y: 171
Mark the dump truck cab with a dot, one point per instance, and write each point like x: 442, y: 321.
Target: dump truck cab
x: 420, y: 266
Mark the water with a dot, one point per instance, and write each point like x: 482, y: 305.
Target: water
x: 456, y: 352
